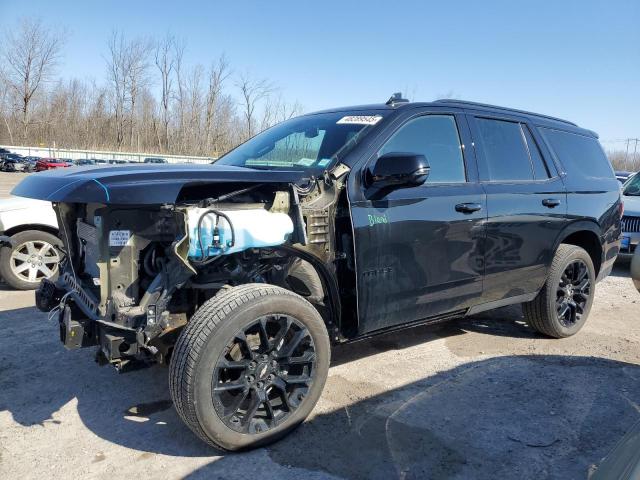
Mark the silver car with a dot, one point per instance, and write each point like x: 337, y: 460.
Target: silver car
x: 631, y: 218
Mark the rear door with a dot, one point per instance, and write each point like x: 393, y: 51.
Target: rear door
x: 526, y: 204
x: 419, y: 249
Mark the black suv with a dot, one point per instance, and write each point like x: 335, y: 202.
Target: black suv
x: 324, y: 229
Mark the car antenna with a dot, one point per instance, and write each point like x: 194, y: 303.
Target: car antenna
x: 395, y: 99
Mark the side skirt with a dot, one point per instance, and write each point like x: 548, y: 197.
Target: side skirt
x: 427, y: 321
x: 483, y: 307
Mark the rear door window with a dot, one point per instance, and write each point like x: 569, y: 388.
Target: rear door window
x: 505, y: 151
x: 580, y: 155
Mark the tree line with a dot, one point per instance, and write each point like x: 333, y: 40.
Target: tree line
x: 150, y: 99
x: 623, y: 160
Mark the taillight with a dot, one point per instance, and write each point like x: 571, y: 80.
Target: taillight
x: 621, y: 208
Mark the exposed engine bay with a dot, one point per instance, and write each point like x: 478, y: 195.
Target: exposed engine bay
x: 133, y: 275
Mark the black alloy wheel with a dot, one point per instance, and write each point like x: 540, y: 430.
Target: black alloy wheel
x: 562, y: 306
x: 574, y: 290
x: 249, y: 366
x: 264, y: 374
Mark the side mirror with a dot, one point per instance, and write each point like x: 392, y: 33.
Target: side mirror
x: 397, y: 170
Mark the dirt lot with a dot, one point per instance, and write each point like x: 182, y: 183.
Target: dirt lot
x: 484, y: 397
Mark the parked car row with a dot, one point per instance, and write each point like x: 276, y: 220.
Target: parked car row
x: 14, y: 162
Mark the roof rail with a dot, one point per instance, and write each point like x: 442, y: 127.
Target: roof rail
x: 506, y: 109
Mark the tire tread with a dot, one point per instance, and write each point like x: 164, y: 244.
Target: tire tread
x: 194, y: 338
x: 539, y: 313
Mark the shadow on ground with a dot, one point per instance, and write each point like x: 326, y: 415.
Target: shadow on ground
x: 622, y: 268
x: 505, y: 417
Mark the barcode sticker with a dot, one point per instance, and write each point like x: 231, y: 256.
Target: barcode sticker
x: 359, y: 120
x: 119, y: 238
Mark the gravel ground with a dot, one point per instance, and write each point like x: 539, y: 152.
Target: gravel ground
x: 485, y: 397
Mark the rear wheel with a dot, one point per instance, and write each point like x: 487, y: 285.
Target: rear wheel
x: 562, y: 306
x: 250, y: 366
x: 33, y: 257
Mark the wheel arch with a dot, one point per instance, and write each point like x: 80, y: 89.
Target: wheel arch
x: 329, y: 285
x: 587, y: 235
x: 30, y: 227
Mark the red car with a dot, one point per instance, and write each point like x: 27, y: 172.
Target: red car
x: 49, y: 163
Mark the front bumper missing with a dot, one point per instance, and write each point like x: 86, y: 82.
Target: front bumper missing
x: 76, y: 331
x: 79, y: 330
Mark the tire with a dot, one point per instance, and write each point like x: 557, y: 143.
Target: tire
x: 544, y: 313
x: 199, y: 379
x: 26, y: 244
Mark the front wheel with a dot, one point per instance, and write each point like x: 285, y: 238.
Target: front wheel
x: 562, y: 306
x: 250, y: 366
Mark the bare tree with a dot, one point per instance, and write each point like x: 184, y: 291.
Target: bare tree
x: 5, y: 107
x: 252, y: 92
x: 277, y: 110
x: 30, y: 56
x: 165, y: 62
x: 179, y: 48
x: 218, y: 74
x: 193, y: 111
x: 118, y: 73
x: 137, y: 78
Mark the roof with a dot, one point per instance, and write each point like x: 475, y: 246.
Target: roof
x: 546, y: 119
x: 465, y: 103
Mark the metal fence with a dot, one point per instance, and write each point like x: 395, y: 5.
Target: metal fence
x: 49, y: 152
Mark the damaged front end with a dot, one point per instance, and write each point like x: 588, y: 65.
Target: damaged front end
x: 134, y: 274
x: 120, y: 272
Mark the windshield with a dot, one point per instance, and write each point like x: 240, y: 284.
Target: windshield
x: 632, y: 186
x: 311, y: 143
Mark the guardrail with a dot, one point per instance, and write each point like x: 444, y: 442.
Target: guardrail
x: 74, y: 154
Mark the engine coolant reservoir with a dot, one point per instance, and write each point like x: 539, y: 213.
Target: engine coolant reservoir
x: 252, y: 228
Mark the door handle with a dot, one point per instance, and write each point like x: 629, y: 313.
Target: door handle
x: 551, y: 202
x: 468, y: 207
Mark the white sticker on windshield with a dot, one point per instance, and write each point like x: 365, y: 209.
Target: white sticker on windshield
x: 119, y: 238
x: 359, y: 120
x: 324, y: 162
x: 305, y: 162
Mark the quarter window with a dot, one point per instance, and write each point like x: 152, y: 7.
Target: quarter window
x: 436, y: 137
x: 580, y: 155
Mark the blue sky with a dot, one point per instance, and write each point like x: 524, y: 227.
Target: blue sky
x: 575, y: 59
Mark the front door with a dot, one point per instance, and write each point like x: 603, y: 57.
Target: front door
x: 419, y: 249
